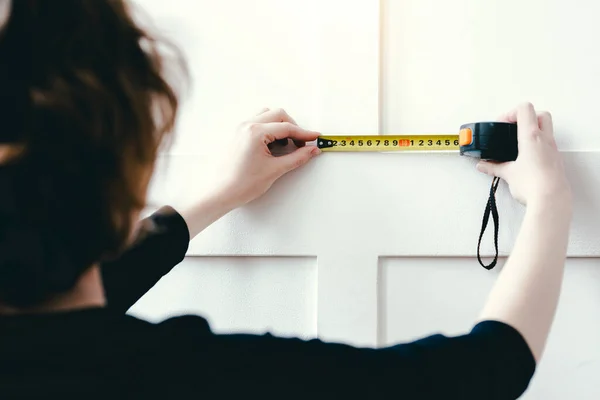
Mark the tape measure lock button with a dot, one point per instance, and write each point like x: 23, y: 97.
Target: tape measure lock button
x: 465, y: 137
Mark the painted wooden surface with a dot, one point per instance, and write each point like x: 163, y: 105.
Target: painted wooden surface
x: 373, y: 249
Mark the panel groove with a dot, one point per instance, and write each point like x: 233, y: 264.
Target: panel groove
x: 241, y: 294
x: 381, y: 304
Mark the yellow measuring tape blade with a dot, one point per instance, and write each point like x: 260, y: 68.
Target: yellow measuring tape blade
x: 430, y: 142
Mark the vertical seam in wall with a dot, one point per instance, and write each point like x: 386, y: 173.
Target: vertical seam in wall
x: 381, y: 64
x: 316, y: 314
x: 380, y: 312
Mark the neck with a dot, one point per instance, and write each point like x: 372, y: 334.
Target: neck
x: 87, y: 293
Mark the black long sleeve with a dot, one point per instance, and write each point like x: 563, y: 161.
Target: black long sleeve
x: 491, y: 362
x: 162, y: 242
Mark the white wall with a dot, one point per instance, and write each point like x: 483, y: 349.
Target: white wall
x: 303, y: 261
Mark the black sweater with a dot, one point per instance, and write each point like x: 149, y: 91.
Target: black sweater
x: 105, y: 354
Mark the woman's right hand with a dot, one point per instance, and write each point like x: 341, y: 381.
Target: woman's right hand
x: 537, y: 176
x: 528, y: 288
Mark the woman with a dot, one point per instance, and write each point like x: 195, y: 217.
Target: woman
x: 85, y: 108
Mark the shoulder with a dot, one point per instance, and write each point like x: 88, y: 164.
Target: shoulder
x: 193, y: 326
x: 181, y: 336
x: 174, y: 343
x: 179, y: 326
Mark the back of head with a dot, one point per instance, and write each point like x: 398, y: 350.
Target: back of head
x: 84, y: 109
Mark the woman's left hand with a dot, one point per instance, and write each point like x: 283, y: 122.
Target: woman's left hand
x: 251, y: 168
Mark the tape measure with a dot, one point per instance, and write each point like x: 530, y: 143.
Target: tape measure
x: 493, y: 141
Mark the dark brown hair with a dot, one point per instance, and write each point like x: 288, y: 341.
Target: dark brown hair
x: 84, y: 90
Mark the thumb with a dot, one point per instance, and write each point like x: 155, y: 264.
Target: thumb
x: 297, y: 158
x: 493, y: 169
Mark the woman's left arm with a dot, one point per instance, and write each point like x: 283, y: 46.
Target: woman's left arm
x: 163, y: 238
x: 161, y: 243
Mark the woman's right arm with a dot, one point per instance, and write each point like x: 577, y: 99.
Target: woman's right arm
x: 527, y: 291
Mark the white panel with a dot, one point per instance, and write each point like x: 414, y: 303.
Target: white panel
x: 318, y: 60
x: 349, y: 209
x: 422, y: 296
x: 451, y: 62
x: 239, y: 294
x: 419, y: 296
x: 378, y: 205
x: 445, y: 63
x: 448, y: 63
x: 348, y: 296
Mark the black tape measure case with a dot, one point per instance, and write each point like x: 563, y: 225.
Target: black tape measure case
x: 494, y: 141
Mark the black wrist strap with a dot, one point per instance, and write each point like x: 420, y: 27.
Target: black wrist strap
x: 490, y: 208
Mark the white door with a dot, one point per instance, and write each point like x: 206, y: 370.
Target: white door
x: 373, y: 249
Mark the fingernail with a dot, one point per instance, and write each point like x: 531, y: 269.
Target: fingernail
x: 316, y: 151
